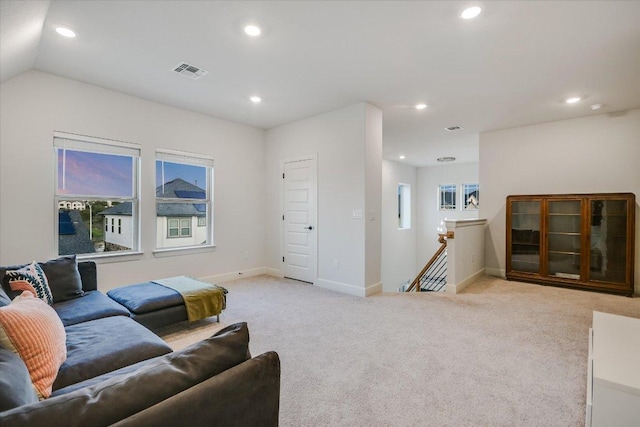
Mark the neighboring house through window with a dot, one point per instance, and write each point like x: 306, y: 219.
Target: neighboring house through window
x: 447, y: 197
x: 93, y: 174
x: 470, y: 196
x: 183, y: 200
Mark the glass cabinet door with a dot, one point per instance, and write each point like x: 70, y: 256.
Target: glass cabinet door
x: 525, y: 236
x: 564, y: 238
x: 608, y: 243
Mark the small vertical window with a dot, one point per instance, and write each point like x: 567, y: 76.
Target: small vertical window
x: 173, y: 228
x: 470, y: 196
x: 119, y: 226
x: 404, y: 206
x: 179, y: 227
x: 113, y: 225
x: 447, y: 197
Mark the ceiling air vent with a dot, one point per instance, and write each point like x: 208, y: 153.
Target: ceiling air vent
x: 454, y: 128
x: 190, y: 71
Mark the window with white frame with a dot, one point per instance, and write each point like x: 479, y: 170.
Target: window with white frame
x: 404, y: 206
x: 184, y: 185
x: 470, y: 196
x: 447, y: 197
x: 96, y: 183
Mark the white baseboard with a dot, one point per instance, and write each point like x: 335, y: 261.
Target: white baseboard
x: 498, y: 272
x: 274, y: 272
x: 373, y: 289
x: 225, y: 277
x: 349, y: 289
x: 454, y: 289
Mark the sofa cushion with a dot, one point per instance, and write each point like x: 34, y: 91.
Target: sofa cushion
x: 146, y: 297
x: 104, y: 345
x: 63, y: 277
x: 30, y: 278
x: 121, y: 396
x: 91, y: 306
x: 15, y: 383
x: 221, y: 348
x: 32, y: 329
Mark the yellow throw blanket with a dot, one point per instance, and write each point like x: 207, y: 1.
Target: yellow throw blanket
x: 201, y: 299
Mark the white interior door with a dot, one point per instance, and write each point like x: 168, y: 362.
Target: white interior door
x: 299, y: 222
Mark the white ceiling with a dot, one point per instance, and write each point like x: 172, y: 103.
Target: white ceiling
x: 511, y: 66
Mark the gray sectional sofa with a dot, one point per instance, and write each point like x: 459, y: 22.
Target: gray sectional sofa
x: 117, y: 372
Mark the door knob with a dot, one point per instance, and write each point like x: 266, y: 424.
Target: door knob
x: 310, y: 227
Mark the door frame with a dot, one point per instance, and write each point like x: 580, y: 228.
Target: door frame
x: 314, y: 159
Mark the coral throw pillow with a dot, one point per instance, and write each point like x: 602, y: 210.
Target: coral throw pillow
x: 31, y: 278
x: 33, y: 330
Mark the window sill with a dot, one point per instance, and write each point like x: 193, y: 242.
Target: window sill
x: 106, y: 257
x: 184, y: 250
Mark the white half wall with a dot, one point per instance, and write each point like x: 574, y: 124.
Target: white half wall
x: 35, y: 104
x: 398, y: 245
x: 428, y: 213
x: 465, y: 252
x: 593, y: 154
x: 345, y: 142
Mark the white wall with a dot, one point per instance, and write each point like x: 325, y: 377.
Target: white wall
x: 198, y: 234
x: 373, y: 198
x: 428, y: 214
x: 593, y: 154
x: 344, y: 143
x: 125, y: 236
x: 398, y: 246
x: 34, y: 104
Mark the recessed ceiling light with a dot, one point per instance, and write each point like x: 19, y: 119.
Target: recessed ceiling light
x: 66, y: 32
x: 252, y: 30
x: 470, y: 12
x: 401, y: 157
x: 255, y: 99
x: 572, y: 100
x: 595, y: 107
x: 421, y: 106
x: 445, y: 159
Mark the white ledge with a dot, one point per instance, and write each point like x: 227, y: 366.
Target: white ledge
x: 469, y: 222
x: 185, y: 250
x: 106, y: 257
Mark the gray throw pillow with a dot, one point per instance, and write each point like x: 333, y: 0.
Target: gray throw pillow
x: 63, y: 277
x: 4, y: 298
x: 15, y: 384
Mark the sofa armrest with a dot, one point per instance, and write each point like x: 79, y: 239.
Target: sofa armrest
x: 245, y: 395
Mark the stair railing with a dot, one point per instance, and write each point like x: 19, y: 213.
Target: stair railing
x: 439, y: 264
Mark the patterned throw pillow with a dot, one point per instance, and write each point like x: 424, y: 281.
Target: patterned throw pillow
x: 33, y: 330
x: 31, y: 278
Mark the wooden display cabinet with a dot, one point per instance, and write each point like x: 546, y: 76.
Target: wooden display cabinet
x: 581, y: 241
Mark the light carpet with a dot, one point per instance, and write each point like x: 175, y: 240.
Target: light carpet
x: 499, y: 354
